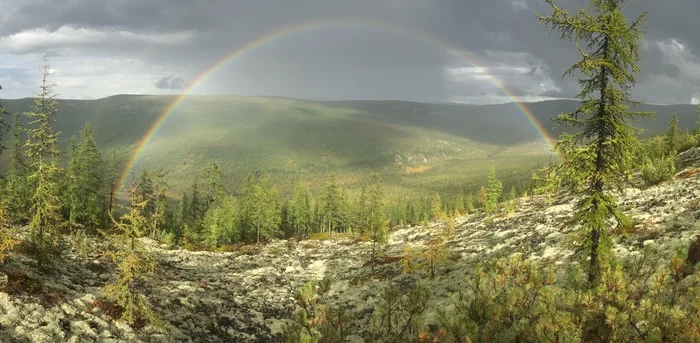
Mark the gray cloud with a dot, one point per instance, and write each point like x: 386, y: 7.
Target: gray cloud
x: 171, y: 82
x: 131, y: 42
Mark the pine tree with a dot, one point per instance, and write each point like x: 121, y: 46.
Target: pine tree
x: 494, y: 190
x: 601, y: 152
x: 672, y: 137
x: 43, y: 155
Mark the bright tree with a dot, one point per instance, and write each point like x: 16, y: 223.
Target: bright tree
x: 494, y: 190
x: 377, y: 222
x: 601, y: 152
x: 43, y: 156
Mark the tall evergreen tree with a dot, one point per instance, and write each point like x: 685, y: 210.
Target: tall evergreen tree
x: 110, y: 187
x: 90, y: 178
x: 602, y: 151
x: 43, y: 155
x: 673, y: 136
x: 301, y: 216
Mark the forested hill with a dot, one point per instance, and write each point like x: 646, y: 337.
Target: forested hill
x: 414, y: 145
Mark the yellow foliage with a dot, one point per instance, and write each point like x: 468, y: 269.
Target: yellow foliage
x: 7, y: 241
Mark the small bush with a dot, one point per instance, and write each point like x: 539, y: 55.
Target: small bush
x: 658, y: 170
x: 315, y: 321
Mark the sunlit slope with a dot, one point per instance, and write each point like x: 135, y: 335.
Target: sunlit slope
x: 417, y: 147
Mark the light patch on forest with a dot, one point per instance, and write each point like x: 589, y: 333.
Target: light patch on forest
x: 417, y: 169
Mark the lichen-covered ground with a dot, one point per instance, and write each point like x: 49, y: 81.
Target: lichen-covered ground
x: 244, y: 296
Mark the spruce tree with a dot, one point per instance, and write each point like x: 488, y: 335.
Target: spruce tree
x: 43, y: 156
x: 89, y: 178
x: 672, y: 138
x: 601, y: 152
x: 301, y: 215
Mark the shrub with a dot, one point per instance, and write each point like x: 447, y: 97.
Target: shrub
x: 315, y: 321
x: 657, y: 170
x: 639, y: 299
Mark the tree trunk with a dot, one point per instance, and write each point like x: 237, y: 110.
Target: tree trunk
x: 598, y: 186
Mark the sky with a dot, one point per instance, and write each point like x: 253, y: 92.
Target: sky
x: 469, y: 51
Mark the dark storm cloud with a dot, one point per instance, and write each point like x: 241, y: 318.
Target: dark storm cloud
x: 182, y: 37
x: 171, y: 82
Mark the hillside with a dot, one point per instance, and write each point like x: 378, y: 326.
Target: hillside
x: 418, y: 147
x: 245, y: 296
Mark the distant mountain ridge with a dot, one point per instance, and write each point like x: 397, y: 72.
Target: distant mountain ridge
x: 300, y: 140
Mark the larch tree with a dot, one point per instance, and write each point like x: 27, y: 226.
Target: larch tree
x: 377, y: 222
x: 494, y: 191
x: 301, y: 216
x: 43, y: 155
x: 601, y: 151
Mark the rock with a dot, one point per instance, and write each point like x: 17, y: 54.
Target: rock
x: 689, y: 157
x: 694, y: 253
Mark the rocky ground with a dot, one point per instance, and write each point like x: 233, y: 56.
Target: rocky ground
x: 244, y: 296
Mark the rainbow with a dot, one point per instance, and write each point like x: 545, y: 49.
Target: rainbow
x: 290, y: 30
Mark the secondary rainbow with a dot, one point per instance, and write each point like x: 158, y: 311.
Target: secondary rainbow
x: 290, y: 30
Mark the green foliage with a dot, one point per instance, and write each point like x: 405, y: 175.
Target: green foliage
x: 7, y: 239
x: 398, y: 316
x: 494, y: 191
x: 222, y: 223
x: 672, y: 137
x: 648, y: 297
x: 658, y: 170
x: 84, y: 182
x: 134, y: 263
x: 314, y: 321
x: 45, y: 172
x: 510, y: 200
x: 301, y: 216
x: 601, y: 152
x: 17, y: 189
